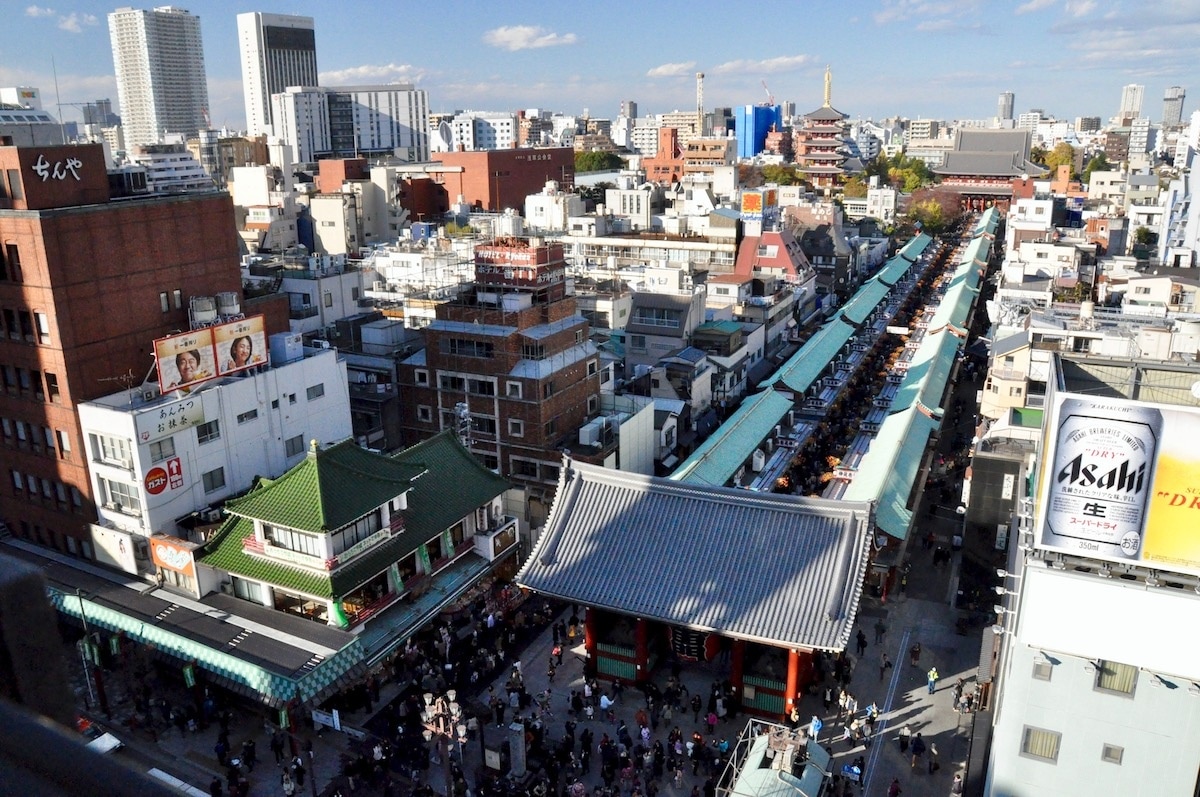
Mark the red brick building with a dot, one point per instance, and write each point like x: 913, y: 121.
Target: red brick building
x: 666, y: 166
x: 515, y: 352
x: 86, y: 285
x: 497, y: 179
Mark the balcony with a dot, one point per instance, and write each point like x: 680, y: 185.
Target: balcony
x: 305, y: 311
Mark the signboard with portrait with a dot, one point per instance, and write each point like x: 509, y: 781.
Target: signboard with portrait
x: 185, y: 360
x: 114, y: 548
x: 167, y: 419
x: 240, y: 344
x: 1121, y: 482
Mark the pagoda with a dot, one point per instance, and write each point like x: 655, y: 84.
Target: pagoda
x: 819, y: 142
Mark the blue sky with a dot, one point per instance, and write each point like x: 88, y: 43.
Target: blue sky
x: 917, y: 58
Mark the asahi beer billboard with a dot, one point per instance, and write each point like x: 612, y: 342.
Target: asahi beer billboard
x: 1121, y: 482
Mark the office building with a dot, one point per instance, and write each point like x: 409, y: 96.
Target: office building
x: 1173, y: 107
x: 159, y: 62
x: 353, y: 121
x: 72, y: 334
x: 752, y: 123
x: 1005, y: 109
x: 629, y: 109
x: 277, y: 51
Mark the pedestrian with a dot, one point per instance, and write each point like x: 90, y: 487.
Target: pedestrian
x: 861, y: 640
x: 932, y: 679
x: 277, y: 745
x: 558, y: 654
x: 827, y: 697
x: 914, y: 654
x: 843, y: 700
x: 221, y: 749
x: 550, y: 670
x: 880, y: 630
x: 918, y: 750
x: 215, y: 789
x: 894, y: 790
x: 249, y: 754
x: 711, y: 721
x: 934, y: 766
x: 903, y: 737
x: 289, y: 785
x: 958, y: 690
x: 696, y: 705
x: 298, y: 771
x: 885, y: 664
x: 848, y: 735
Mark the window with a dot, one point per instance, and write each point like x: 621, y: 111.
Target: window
x: 579, y: 336
x: 214, y: 480
x: 177, y: 295
x: 463, y: 347
x: 547, y: 389
x: 18, y: 480
x: 316, y: 391
x: 455, y: 383
x: 1112, y: 754
x: 513, y: 390
x: 246, y: 417
x: 424, y: 413
x: 523, y: 467
x: 422, y: 377
x: 42, y: 323
x: 1040, y: 743
x: 637, y: 342
x: 15, y: 189
x: 533, y: 351
x: 14, y: 263
x: 592, y: 367
x: 1116, y: 678
x: 483, y: 425
x: 1042, y: 670
x: 110, y: 450
x: 293, y: 445
x: 10, y: 324
x: 593, y: 404
x: 291, y: 398
x: 121, y: 497
x: 328, y: 299
x: 551, y: 427
x: 247, y: 590
x: 64, y: 443
x: 516, y: 428
x: 207, y: 432
x: 163, y: 303
x: 481, y: 387
x: 294, y: 540
x: 162, y: 449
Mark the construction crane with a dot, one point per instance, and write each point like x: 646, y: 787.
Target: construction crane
x: 770, y: 96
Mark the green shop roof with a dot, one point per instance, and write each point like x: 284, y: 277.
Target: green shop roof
x: 455, y: 486
x: 329, y: 489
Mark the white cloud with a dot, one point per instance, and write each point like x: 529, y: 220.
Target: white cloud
x: 783, y: 63
x: 373, y: 73
x: 526, y: 37
x: 74, y: 22
x: 672, y: 70
x: 38, y: 11
x: 1080, y: 8
x: 1034, y: 5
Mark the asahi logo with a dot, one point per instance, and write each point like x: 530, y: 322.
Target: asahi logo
x: 1119, y: 478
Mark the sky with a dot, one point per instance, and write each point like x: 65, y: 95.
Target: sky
x: 917, y: 58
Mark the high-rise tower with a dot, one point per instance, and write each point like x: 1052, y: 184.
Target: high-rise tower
x: 1173, y: 106
x: 159, y: 62
x: 277, y: 51
x: 1005, y: 108
x: 1131, y: 102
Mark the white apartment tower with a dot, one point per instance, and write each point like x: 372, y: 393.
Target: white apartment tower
x: 277, y: 51
x: 1131, y: 101
x: 1005, y: 108
x: 159, y: 62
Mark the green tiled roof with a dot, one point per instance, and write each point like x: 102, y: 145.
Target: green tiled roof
x: 330, y: 488
x: 455, y: 485
x: 224, y: 552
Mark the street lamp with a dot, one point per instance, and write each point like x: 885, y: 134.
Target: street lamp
x: 440, y: 717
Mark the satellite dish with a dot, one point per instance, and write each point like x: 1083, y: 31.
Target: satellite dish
x: 1196, y: 389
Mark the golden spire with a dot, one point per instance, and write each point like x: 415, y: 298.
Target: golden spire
x: 828, y: 87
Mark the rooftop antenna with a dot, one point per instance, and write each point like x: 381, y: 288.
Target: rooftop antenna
x: 126, y: 380
x: 62, y: 126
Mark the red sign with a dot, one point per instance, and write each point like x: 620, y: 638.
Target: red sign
x: 156, y: 481
x: 175, y: 471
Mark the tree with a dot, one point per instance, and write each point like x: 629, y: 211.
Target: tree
x: 929, y: 213
x: 780, y: 174
x: 1063, y: 154
x: 1098, y: 162
x: 1145, y: 236
x: 854, y: 187
x: 597, y: 161
x: 1038, y: 155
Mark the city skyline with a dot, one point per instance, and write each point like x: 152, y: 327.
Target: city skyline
x: 1068, y: 57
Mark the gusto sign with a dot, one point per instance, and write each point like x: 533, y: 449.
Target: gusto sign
x: 156, y: 481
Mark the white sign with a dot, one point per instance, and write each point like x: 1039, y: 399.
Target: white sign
x: 59, y: 171
x: 167, y: 419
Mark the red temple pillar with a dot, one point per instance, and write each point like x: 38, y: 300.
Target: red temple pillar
x: 641, y: 650
x: 793, y: 681
x: 737, y: 663
x: 589, y: 640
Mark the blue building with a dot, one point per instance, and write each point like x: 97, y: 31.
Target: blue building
x: 752, y: 123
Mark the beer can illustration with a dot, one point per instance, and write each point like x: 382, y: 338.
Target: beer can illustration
x: 1098, y: 486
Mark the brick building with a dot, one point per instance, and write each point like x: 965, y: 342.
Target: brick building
x: 514, y: 353
x: 493, y: 180
x: 86, y: 285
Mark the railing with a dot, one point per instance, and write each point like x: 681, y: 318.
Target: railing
x: 307, y: 311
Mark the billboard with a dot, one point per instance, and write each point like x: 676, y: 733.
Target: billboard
x: 1120, y: 481
x: 171, y: 553
x: 240, y: 344
x: 165, y: 420
x: 193, y: 357
x: 184, y: 360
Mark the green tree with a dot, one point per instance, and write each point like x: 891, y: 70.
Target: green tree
x: 1063, y: 154
x: 1099, y: 162
x: 1145, y: 236
x: 597, y: 161
x: 854, y: 186
x: 780, y: 174
x: 929, y: 213
x: 1038, y: 155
